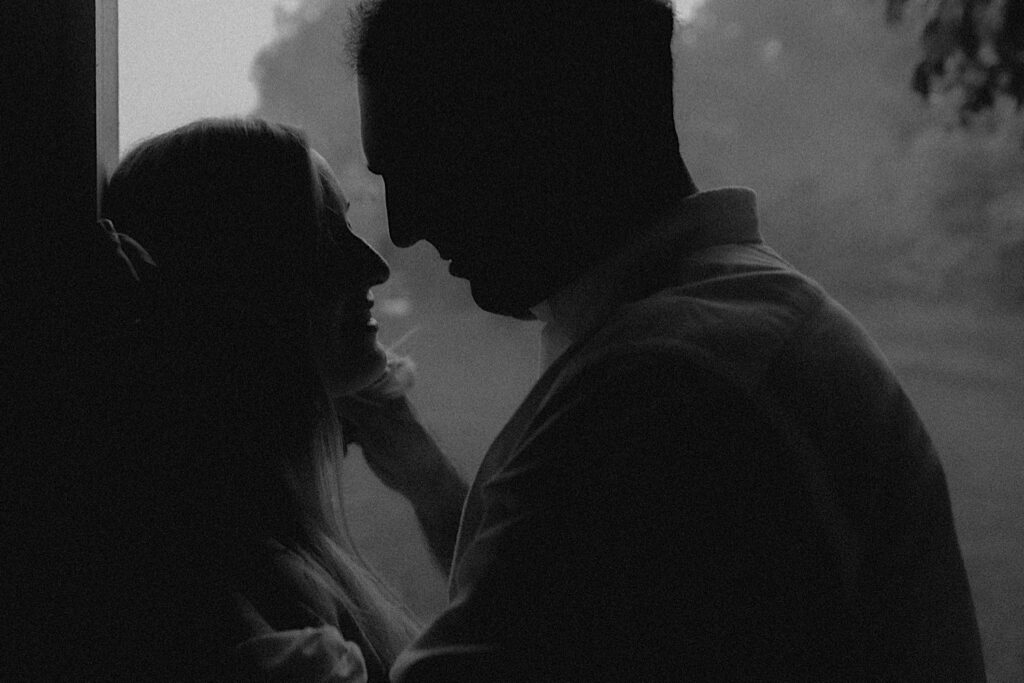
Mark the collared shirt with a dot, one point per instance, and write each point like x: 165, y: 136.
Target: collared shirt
x: 727, y: 215
x: 720, y: 479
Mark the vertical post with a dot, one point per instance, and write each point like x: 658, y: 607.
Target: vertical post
x: 59, y: 113
x: 58, y: 106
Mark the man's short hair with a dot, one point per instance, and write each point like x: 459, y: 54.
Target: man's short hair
x: 586, y: 83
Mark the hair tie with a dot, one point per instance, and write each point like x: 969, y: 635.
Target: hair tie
x: 130, y: 274
x: 130, y: 257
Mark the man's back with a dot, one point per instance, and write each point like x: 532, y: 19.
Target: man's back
x: 724, y: 481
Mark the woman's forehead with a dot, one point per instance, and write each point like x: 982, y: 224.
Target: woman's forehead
x: 333, y: 194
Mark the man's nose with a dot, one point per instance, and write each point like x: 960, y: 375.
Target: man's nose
x: 402, y: 215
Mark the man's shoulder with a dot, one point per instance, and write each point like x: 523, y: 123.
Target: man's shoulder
x: 728, y: 321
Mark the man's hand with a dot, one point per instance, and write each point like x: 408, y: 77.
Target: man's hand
x: 396, y: 446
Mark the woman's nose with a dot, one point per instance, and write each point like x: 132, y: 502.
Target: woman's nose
x: 372, y: 265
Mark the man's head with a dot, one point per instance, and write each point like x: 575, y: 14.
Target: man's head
x: 525, y: 139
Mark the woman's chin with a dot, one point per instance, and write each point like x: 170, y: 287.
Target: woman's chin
x: 349, y: 377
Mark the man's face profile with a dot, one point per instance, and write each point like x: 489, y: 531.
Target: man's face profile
x: 438, y: 192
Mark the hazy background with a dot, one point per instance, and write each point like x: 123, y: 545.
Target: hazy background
x: 915, y: 223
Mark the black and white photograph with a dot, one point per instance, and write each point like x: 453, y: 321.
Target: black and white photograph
x: 459, y: 341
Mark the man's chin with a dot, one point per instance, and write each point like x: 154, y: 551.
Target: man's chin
x: 501, y: 301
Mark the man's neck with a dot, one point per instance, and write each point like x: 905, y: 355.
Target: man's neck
x: 572, y: 312
x: 581, y: 306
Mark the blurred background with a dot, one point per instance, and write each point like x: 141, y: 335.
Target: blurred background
x: 885, y: 142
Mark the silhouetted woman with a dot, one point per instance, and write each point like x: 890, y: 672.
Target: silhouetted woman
x: 221, y: 479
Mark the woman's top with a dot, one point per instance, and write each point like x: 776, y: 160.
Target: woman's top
x: 315, y: 654
x: 293, y: 626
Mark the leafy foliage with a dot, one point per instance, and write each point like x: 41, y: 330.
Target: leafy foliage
x: 973, y: 46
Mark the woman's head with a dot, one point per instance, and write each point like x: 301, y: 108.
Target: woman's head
x: 259, y: 315
x: 344, y: 337
x: 247, y: 227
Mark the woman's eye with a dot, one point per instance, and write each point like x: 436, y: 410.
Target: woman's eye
x: 336, y: 225
x: 341, y: 232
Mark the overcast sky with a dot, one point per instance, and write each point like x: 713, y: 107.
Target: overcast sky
x: 182, y: 59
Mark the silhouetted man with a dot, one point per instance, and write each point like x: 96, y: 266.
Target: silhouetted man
x: 718, y: 476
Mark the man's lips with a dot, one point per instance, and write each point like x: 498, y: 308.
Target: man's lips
x: 445, y: 251
x: 456, y: 262
x: 455, y: 265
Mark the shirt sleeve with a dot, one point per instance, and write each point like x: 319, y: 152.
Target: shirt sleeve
x: 318, y: 654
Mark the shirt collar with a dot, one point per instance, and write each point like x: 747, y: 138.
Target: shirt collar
x: 702, y: 220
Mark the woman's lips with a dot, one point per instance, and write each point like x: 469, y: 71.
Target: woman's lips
x: 357, y: 315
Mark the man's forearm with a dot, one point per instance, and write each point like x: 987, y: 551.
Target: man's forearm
x: 437, y: 501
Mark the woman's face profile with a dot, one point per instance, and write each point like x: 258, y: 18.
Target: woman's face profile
x: 345, y: 346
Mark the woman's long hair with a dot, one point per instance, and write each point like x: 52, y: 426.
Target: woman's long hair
x: 227, y: 436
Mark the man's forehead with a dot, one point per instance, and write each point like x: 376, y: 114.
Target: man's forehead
x: 403, y: 135
x: 412, y: 101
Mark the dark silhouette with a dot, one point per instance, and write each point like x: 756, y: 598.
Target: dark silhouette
x: 217, y: 453
x: 718, y: 477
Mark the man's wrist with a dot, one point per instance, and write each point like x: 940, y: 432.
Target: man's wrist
x: 436, y: 482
